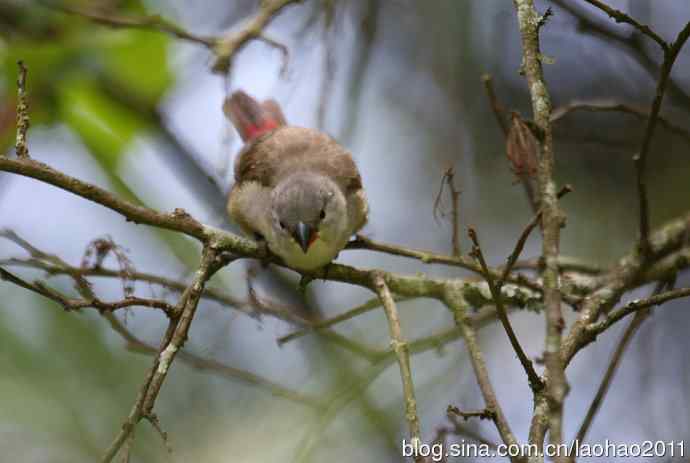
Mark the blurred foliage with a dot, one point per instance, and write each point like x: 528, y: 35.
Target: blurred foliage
x: 69, y: 63
x: 94, y: 79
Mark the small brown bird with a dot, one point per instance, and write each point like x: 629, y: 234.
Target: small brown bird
x: 295, y: 187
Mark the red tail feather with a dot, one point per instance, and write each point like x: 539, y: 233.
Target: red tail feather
x: 250, y: 118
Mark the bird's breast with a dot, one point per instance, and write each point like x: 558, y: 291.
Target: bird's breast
x: 320, y: 253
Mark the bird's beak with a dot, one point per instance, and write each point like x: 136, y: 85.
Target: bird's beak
x: 304, y: 235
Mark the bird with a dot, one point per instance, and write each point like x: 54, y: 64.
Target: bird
x: 296, y: 189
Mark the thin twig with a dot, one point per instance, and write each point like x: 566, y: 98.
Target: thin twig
x: 252, y: 307
x: 174, y: 339
x: 220, y: 369
x: 496, y: 106
x: 486, y: 414
x: 21, y: 146
x: 621, y: 17
x: 634, y: 307
x: 670, y: 55
x: 629, y: 43
x: 428, y: 257
x: 449, y: 180
x: 150, y: 22
x: 456, y: 303
x: 595, y: 405
x: 282, y: 48
x: 460, y: 430
x: 608, y: 376
x: 552, y: 217
x: 226, y: 47
x: 612, y: 106
x: 535, y: 381
x: 126, y: 455
x: 336, y: 402
x: 368, y: 306
x: 71, y: 304
x: 328, y: 69
x: 402, y: 353
x: 499, y: 111
x: 522, y: 239
x: 155, y: 422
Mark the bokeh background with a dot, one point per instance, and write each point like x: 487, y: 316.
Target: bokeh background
x: 397, y: 82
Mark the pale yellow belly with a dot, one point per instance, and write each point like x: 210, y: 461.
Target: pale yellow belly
x: 319, y: 254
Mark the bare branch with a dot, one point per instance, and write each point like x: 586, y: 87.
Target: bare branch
x: 226, y: 47
x: 612, y: 106
x: 630, y: 331
x: 155, y: 422
x: 401, y: 349
x: 368, y: 306
x: 460, y: 430
x: 496, y: 106
x: 621, y: 17
x: 449, y: 180
x: 179, y: 220
x: 70, y: 304
x: 174, y: 339
x: 454, y: 300
x: 499, y: 111
x: 628, y: 43
x: 670, y: 55
x: 282, y: 48
x: 207, y: 365
x: 552, y: 216
x: 522, y: 239
x: 150, y: 22
x: 486, y: 414
x: 21, y: 148
x: 635, y: 306
x: 667, y: 239
x: 535, y: 381
x: 362, y: 242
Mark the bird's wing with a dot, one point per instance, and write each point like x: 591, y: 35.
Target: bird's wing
x: 287, y: 150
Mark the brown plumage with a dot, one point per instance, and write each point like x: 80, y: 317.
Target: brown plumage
x: 287, y: 150
x: 287, y: 176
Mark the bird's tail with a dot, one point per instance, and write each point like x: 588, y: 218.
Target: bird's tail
x: 251, y: 118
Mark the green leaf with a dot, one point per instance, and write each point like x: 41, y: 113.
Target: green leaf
x: 138, y: 60
x: 104, y: 125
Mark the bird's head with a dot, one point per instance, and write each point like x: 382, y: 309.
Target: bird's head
x: 307, y: 208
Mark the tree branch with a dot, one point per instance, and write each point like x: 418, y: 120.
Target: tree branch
x: 21, y: 146
x: 70, y: 304
x: 535, y: 381
x: 552, y: 217
x: 149, y: 22
x: 621, y: 17
x: 634, y: 307
x: 456, y: 303
x: 174, y: 339
x: 402, y: 353
x: 217, y: 368
x: 226, y: 47
x: 497, y: 108
x: 666, y: 240
x: 612, y: 106
x: 670, y: 55
x: 605, y: 384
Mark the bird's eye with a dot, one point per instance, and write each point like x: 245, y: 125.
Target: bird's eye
x: 322, y: 215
